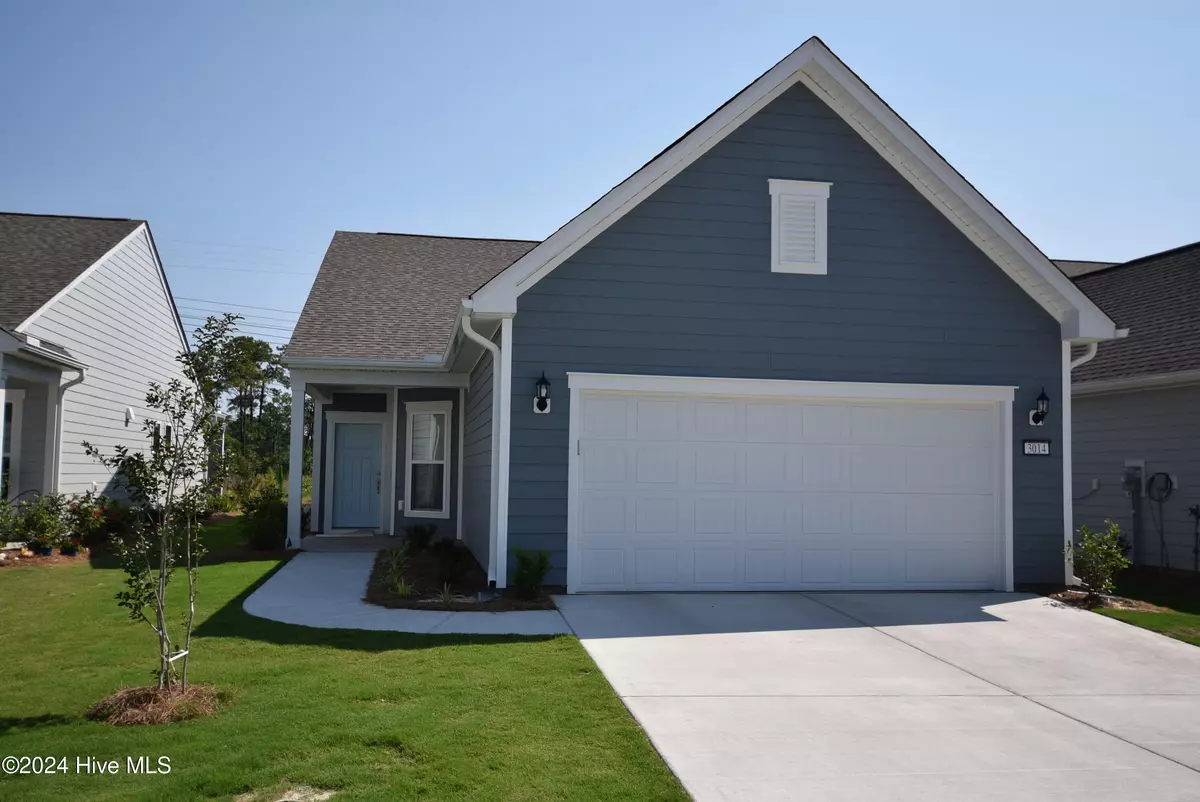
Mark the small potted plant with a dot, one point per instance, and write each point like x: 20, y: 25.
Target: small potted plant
x: 71, y: 546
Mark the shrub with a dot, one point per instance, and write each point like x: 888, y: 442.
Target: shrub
x: 265, y: 521
x: 531, y: 570
x: 419, y: 536
x: 40, y: 522
x: 1097, y: 557
x: 86, y: 520
x: 454, y: 560
x: 394, y: 564
x: 223, y: 502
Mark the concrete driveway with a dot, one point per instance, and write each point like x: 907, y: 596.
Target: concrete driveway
x: 928, y: 696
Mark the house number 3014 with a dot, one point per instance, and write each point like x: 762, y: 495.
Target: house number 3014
x: 1037, y: 448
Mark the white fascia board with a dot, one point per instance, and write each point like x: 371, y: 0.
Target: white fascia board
x: 75, y: 282
x: 993, y: 233
x: 379, y: 378
x: 786, y: 388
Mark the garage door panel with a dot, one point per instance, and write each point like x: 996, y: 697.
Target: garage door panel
x: 716, y: 420
x: 715, y: 465
x: 657, y: 464
x: 741, y: 493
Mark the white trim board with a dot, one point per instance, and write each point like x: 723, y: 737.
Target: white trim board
x: 1000, y: 397
x: 786, y: 388
x: 819, y: 69
x: 446, y: 409
x: 387, y: 456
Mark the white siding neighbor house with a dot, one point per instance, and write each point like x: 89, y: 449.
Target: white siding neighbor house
x: 87, y: 322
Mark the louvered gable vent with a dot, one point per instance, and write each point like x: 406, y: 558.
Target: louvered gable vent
x: 798, y: 226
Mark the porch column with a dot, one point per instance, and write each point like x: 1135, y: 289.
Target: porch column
x: 295, y: 464
x: 317, y: 522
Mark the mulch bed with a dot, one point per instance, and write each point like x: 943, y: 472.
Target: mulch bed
x: 1077, y: 598
x: 424, y: 575
x: 154, y: 705
x: 15, y: 558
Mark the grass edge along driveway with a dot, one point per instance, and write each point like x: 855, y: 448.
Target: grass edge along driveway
x: 371, y: 715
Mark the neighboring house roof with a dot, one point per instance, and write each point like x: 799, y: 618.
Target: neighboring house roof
x: 817, y: 68
x: 1157, y: 298
x: 1073, y: 268
x: 40, y: 255
x: 394, y: 297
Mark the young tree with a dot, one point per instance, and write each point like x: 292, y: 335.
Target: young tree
x: 169, y: 485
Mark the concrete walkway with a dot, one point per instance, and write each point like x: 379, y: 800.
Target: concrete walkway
x: 948, y: 696
x: 325, y: 590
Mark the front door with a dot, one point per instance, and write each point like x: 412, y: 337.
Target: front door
x: 356, y: 475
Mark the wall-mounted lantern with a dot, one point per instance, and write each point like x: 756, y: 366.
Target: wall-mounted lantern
x: 541, y: 395
x: 1037, y: 415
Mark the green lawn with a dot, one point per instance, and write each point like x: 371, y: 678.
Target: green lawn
x: 1180, y: 596
x: 379, y: 716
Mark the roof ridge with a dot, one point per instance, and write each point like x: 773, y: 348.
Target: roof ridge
x: 437, y: 236
x: 73, y: 217
x: 1141, y: 259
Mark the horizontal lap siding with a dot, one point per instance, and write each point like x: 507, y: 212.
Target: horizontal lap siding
x: 682, y: 286
x: 120, y: 323
x: 1160, y: 427
x: 477, y: 461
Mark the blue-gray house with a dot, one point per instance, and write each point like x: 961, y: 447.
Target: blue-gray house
x: 795, y: 350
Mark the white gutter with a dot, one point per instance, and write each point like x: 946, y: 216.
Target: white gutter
x: 494, y: 498
x: 435, y: 363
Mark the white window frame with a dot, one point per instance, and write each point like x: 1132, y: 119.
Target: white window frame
x: 445, y: 408
x: 17, y: 399
x: 817, y: 191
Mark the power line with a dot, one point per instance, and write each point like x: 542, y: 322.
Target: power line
x: 230, y: 303
x: 248, y: 316
x: 235, y: 245
x: 174, y: 265
x: 243, y: 324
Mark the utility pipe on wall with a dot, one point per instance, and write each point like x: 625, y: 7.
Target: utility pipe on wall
x: 57, y: 427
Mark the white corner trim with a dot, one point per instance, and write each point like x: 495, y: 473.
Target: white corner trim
x: 385, y: 471
x: 787, y: 388
x: 1006, y: 449
x: 505, y: 426
x: 915, y: 159
x: 816, y: 193
x: 75, y: 282
x: 462, y: 431
x: 1068, y: 467
x: 445, y: 409
x: 574, y: 579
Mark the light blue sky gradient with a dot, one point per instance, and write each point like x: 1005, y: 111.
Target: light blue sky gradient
x: 247, y: 132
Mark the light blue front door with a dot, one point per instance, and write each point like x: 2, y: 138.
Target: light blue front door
x: 356, y: 475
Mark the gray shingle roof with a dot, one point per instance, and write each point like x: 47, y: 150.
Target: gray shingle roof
x: 41, y: 254
x: 1157, y: 298
x: 394, y: 297
x: 1078, y: 267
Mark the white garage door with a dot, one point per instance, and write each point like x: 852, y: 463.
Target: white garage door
x: 686, y: 491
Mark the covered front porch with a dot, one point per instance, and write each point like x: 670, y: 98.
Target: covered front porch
x: 31, y: 387
x: 387, y: 453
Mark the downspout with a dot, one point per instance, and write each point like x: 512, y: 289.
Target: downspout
x: 1090, y: 353
x: 57, y: 431
x: 494, y: 497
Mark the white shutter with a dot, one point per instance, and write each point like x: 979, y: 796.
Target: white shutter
x: 798, y: 226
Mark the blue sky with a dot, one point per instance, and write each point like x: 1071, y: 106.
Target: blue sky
x: 247, y: 132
